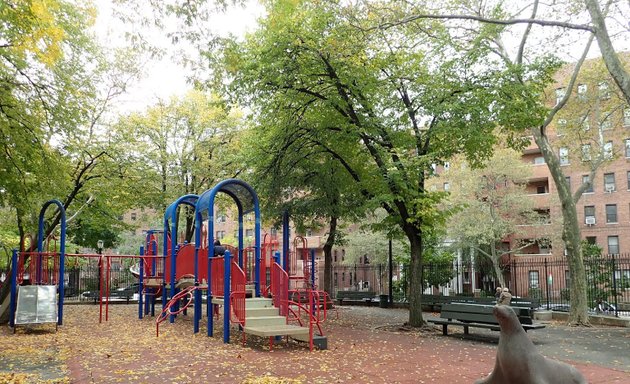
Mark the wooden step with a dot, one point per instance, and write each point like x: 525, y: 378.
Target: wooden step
x: 278, y: 330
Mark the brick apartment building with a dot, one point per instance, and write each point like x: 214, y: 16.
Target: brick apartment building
x: 595, y: 122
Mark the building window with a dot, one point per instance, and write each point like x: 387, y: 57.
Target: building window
x: 627, y: 147
x: 539, y: 160
x: 274, y: 232
x: 608, y: 150
x: 336, y: 278
x: 586, y: 152
x: 534, y: 281
x: 589, y: 214
x: 568, y: 179
x: 564, y: 156
x: 581, y: 91
x: 560, y: 92
x: 592, y: 240
x: 584, y: 123
x: 626, y: 117
x: 606, y: 123
x: 133, y: 216
x: 222, y: 218
x: 628, y: 177
x: 447, y: 186
x: 611, y: 213
x: 343, y: 276
x: 561, y: 126
x: 609, y: 182
x: 220, y: 235
x: 613, y: 245
x: 587, y: 180
x: 335, y: 255
x: 309, y: 232
x: 604, y: 90
x: 343, y: 255
x: 249, y: 233
x: 541, y: 189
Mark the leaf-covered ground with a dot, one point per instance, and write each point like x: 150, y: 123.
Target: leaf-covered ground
x: 365, y: 345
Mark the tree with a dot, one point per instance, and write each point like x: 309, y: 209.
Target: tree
x: 491, y: 205
x: 490, y: 22
x: 404, y: 101
x: 294, y: 171
x: 182, y: 146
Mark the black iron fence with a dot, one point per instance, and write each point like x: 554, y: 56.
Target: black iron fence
x: 548, y: 280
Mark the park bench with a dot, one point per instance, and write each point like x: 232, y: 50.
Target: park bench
x: 435, y: 302
x: 478, y: 316
x: 355, y: 296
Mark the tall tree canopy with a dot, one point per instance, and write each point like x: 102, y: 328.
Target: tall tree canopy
x: 387, y: 105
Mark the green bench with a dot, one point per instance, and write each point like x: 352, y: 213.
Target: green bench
x: 435, y: 302
x: 468, y: 315
x: 356, y: 296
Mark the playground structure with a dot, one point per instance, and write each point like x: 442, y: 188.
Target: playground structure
x: 260, y: 290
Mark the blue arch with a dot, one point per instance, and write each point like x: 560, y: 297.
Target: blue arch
x: 62, y: 252
x: 170, y: 227
x: 247, y: 201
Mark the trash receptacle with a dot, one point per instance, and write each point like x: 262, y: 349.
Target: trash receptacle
x: 383, y: 301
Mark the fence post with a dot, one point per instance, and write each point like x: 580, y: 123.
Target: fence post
x: 614, y: 279
x: 226, y: 297
x: 546, y: 283
x: 514, y: 277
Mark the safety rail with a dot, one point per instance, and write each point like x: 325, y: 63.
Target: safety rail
x: 42, y: 267
x: 237, y: 287
x: 280, y: 288
x: 237, y: 296
x: 217, y: 272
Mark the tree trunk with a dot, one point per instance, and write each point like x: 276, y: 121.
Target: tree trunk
x: 415, y: 291
x: 570, y: 233
x: 609, y: 55
x: 330, y: 241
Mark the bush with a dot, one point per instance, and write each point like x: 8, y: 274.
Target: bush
x: 535, y: 293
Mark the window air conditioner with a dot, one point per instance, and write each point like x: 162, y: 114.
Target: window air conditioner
x: 609, y: 188
x: 589, y: 220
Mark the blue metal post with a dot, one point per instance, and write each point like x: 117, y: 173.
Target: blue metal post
x: 62, y: 267
x: 226, y: 298
x: 197, y: 294
x: 141, y: 283
x: 13, y: 302
x: 209, y: 305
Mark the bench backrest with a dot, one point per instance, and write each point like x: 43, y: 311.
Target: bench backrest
x: 355, y: 294
x: 479, y: 313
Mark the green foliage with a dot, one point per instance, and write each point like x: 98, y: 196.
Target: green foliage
x: 535, y: 293
x: 599, y: 274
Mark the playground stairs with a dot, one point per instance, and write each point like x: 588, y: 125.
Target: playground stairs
x: 263, y: 319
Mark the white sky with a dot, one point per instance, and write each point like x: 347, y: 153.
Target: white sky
x: 165, y: 78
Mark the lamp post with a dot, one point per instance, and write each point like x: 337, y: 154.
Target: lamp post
x: 99, y: 251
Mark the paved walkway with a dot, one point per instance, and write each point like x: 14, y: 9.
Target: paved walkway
x: 366, y: 345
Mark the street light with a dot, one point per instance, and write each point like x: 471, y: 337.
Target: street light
x: 99, y: 251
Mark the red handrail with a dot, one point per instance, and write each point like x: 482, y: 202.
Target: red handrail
x: 166, y: 312
x: 238, y: 281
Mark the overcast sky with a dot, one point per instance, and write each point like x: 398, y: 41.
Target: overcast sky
x: 165, y: 78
